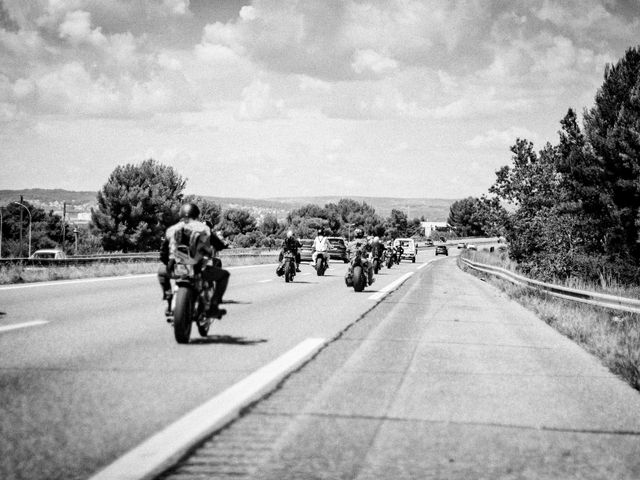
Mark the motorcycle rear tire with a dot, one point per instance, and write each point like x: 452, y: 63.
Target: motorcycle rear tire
x: 320, y: 267
x: 389, y: 263
x: 289, y: 272
x: 183, y: 314
x: 376, y: 266
x: 358, y: 279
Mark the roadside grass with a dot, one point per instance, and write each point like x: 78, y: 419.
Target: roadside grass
x: 20, y: 274
x: 612, y: 336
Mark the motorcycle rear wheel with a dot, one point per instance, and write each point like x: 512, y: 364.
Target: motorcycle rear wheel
x: 320, y: 267
x: 289, y: 271
x: 183, y: 314
x: 358, y: 279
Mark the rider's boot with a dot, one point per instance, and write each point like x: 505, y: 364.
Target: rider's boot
x: 215, y: 311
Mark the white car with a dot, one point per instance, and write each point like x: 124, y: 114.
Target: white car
x: 49, y: 253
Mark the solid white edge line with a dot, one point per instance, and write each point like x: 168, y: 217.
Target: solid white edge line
x: 23, y: 325
x: 426, y: 263
x: 385, y: 290
x: 164, y: 449
x: 109, y: 279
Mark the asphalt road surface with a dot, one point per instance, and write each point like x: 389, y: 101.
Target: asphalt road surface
x: 89, y: 369
x: 443, y: 378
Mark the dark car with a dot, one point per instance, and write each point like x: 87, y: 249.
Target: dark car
x: 338, y: 249
x: 306, y: 249
x: 442, y: 250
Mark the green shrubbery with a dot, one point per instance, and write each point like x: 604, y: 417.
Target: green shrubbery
x: 574, y: 206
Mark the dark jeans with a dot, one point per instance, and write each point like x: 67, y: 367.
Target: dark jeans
x: 221, y: 278
x: 165, y: 281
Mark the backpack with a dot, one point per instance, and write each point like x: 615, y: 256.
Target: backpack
x: 189, y: 241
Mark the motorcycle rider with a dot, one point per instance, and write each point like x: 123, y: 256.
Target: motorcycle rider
x: 189, y: 214
x: 290, y: 244
x: 320, y: 245
x: 360, y: 244
x: 377, y: 249
x: 399, y: 252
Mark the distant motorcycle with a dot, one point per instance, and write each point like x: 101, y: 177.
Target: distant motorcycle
x: 321, y: 263
x: 377, y: 263
x: 398, y: 255
x: 287, y: 267
x: 390, y: 257
x: 356, y: 276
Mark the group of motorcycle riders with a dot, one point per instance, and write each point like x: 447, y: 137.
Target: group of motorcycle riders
x: 208, y: 242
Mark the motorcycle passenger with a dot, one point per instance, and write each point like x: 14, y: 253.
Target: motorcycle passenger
x: 291, y: 244
x: 189, y: 214
x: 360, y: 244
x: 320, y: 245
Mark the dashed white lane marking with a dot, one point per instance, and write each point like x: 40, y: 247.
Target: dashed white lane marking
x: 34, y: 323
x: 164, y: 449
x: 266, y: 281
x: 385, y: 290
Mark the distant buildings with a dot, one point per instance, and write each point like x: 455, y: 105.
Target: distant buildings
x: 430, y: 227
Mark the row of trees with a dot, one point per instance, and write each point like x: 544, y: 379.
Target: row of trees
x: 573, y: 207
x: 138, y: 203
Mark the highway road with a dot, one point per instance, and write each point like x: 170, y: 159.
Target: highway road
x: 90, y: 368
x: 446, y: 378
x: 443, y: 377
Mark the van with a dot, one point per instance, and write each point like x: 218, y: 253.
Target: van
x: 409, y: 247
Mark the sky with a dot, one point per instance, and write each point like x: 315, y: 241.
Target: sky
x: 272, y: 98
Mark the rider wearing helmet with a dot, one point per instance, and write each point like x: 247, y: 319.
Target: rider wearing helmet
x: 291, y: 244
x: 360, y: 244
x: 189, y: 214
x: 377, y: 248
x: 321, y: 245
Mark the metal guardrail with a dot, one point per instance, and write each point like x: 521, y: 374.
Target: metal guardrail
x: 592, y: 298
x: 121, y: 258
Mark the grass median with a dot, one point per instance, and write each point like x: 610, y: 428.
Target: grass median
x: 16, y: 273
x: 610, y: 335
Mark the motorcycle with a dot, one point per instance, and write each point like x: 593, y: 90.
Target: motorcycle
x: 287, y: 267
x: 356, y: 276
x: 321, y: 263
x: 377, y: 263
x: 390, y: 257
x: 398, y: 256
x: 191, y: 298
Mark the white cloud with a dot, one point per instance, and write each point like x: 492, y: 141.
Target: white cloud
x: 257, y: 103
x: 77, y: 28
x: 371, y: 61
x: 177, y: 7
x: 501, y: 138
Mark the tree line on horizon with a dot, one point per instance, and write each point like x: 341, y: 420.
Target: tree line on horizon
x: 140, y: 201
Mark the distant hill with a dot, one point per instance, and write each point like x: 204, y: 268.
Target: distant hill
x: 433, y: 209
x: 45, y: 196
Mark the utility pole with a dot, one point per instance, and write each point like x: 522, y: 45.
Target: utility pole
x: 21, y: 226
x: 64, y: 219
